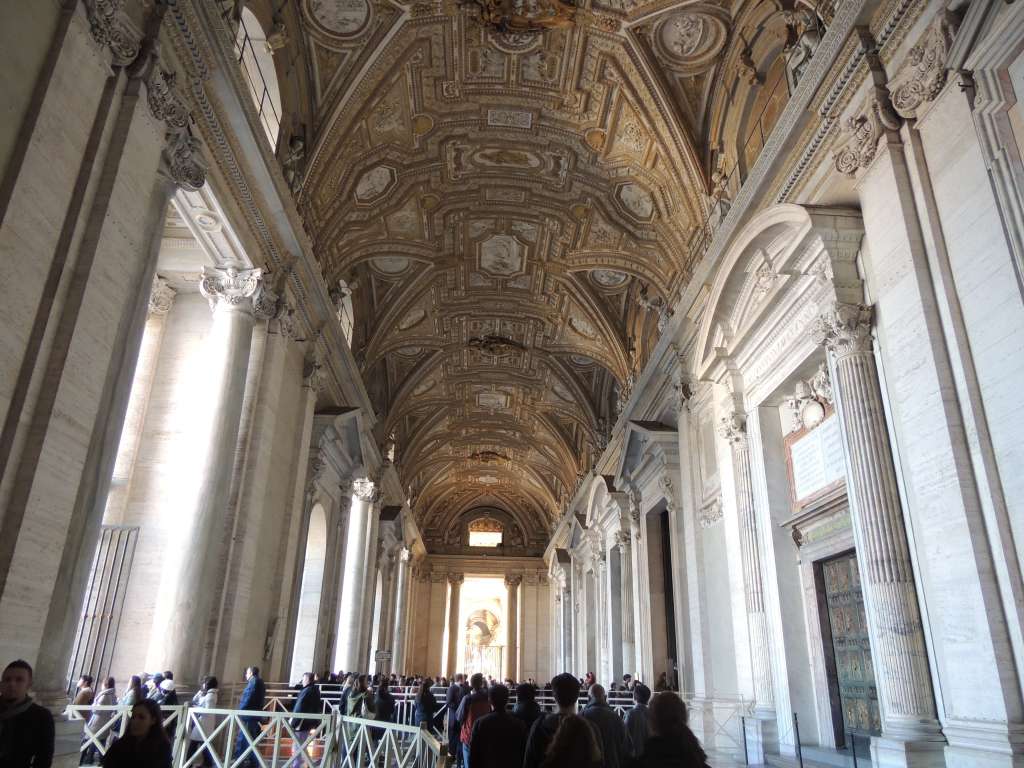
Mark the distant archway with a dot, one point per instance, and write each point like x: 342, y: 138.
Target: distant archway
x: 308, y: 621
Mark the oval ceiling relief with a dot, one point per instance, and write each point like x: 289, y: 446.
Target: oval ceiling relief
x: 343, y: 18
x: 412, y: 319
x: 691, y: 39
x: 608, y: 278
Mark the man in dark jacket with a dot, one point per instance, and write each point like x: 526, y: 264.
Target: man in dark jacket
x: 452, y: 699
x: 566, y: 690
x: 638, y: 728
x: 527, y: 709
x: 26, y: 729
x: 472, y: 707
x: 307, y: 703
x: 498, y: 739
x: 253, y: 698
x: 609, y: 725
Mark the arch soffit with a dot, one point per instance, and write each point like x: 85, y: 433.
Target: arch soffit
x: 760, y: 239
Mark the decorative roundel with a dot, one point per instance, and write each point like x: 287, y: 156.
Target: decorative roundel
x: 515, y: 42
x: 341, y: 18
x: 410, y: 351
x: 411, y: 319
x: 608, y: 278
x: 581, y: 360
x: 691, y: 39
x: 391, y: 265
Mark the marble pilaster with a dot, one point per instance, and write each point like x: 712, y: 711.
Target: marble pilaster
x: 455, y: 585
x: 400, y: 619
x: 512, y: 582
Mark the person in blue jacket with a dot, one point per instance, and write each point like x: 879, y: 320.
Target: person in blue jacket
x: 253, y: 698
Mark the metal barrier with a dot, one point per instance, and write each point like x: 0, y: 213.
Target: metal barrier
x: 231, y: 738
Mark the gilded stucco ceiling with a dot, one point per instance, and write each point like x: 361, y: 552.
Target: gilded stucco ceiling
x: 512, y: 211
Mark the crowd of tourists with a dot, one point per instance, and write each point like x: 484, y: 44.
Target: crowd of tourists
x: 474, y: 718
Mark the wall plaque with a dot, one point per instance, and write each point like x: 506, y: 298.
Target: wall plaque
x: 816, y: 461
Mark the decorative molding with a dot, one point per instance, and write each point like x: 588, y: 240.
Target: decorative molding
x: 230, y: 287
x: 733, y: 429
x: 811, y: 397
x: 710, y: 512
x: 456, y: 579
x: 844, y: 329
x: 110, y: 28
x: 923, y: 74
x: 163, y: 101
x: 313, y: 373
x: 161, y: 296
x: 865, y: 129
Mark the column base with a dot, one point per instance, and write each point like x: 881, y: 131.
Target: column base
x: 977, y: 744
x: 762, y: 737
x: 67, y: 741
x: 888, y: 752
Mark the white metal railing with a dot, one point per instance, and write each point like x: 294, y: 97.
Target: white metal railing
x: 231, y: 738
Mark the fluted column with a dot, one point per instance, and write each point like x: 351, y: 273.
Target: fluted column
x: 623, y: 542
x: 512, y: 582
x: 399, y: 633
x: 185, y: 597
x: 883, y: 556
x: 733, y: 429
x: 354, y: 586
x: 455, y: 583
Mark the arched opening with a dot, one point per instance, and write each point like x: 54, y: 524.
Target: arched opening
x: 485, y: 532
x: 309, y: 595
x: 255, y: 55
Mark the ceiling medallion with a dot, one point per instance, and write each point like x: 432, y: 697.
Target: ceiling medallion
x: 515, y: 16
x: 495, y: 345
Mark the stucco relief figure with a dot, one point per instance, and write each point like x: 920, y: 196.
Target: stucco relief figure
x: 636, y: 200
x: 509, y: 15
x: 343, y: 17
x: 804, y: 26
x: 501, y: 255
x: 684, y: 35
x: 374, y: 183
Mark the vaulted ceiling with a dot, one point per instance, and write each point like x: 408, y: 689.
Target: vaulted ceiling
x: 512, y: 210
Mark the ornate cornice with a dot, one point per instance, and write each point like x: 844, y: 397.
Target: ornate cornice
x: 161, y: 296
x: 844, y: 329
x: 864, y: 130
x: 710, y: 513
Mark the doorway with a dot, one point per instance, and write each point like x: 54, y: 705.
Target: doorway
x: 847, y: 648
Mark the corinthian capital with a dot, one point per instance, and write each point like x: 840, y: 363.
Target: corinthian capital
x: 513, y: 580
x: 364, y: 489
x: 733, y: 429
x: 456, y: 579
x: 161, y: 297
x: 230, y: 288
x: 844, y: 329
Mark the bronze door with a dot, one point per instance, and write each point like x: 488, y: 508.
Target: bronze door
x: 851, y: 648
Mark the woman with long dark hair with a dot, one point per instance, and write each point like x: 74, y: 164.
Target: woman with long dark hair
x: 671, y: 743
x: 575, y: 744
x: 426, y: 704
x: 144, y: 744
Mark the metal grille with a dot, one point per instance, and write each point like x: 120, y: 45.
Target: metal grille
x: 104, y: 600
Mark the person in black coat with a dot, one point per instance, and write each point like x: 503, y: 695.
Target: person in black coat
x: 608, y: 724
x: 426, y: 705
x: 671, y: 743
x: 452, y: 699
x: 306, y: 703
x: 253, y: 699
x: 144, y: 744
x: 498, y: 740
x: 26, y: 729
x: 526, y: 709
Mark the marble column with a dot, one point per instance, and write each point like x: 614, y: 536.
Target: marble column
x: 355, y: 583
x: 455, y: 583
x: 623, y: 544
x: 910, y: 729
x: 400, y: 619
x: 374, y: 552
x: 185, y: 598
x: 733, y: 429
x: 512, y: 582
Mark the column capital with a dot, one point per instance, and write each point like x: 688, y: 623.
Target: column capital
x: 364, y: 489
x: 456, y: 579
x: 404, y: 555
x: 513, y: 580
x: 230, y: 288
x: 733, y: 429
x: 161, y: 296
x: 844, y: 329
